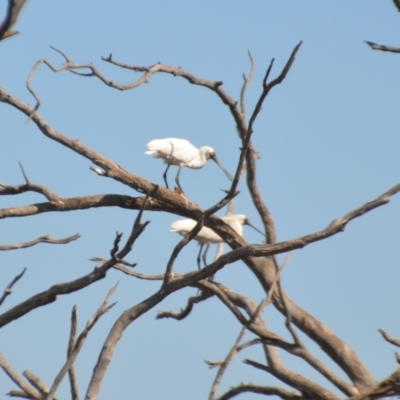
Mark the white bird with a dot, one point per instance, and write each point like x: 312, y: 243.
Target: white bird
x: 182, y: 153
x: 207, y: 236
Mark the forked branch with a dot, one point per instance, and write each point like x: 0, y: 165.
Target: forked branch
x: 80, y: 341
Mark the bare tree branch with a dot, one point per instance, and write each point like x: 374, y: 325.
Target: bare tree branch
x: 264, y: 269
x: 41, y: 239
x: 80, y: 341
x: 50, y: 295
x: 267, y: 390
x: 13, y: 9
x: 252, y: 155
x: 395, y: 342
x: 257, y: 326
x: 158, y: 277
x: 397, y: 4
x: 71, y: 344
x: 83, y: 203
x: 7, y: 290
x: 28, y: 187
x: 36, y: 383
x: 18, y: 380
x: 246, y: 81
x: 17, y: 393
x: 204, y: 295
x: 387, y: 388
x: 383, y: 47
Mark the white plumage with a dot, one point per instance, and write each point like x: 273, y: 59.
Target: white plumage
x: 182, y: 153
x: 207, y: 236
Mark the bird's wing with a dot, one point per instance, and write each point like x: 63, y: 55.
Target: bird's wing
x: 13, y: 9
x: 182, y: 150
x: 172, y: 148
x: 182, y: 226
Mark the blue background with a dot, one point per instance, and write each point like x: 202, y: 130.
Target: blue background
x: 328, y: 140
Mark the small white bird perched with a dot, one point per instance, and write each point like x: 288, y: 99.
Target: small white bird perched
x: 207, y: 236
x: 182, y: 153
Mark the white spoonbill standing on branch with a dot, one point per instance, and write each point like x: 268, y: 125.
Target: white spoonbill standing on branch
x: 182, y: 153
x: 207, y: 236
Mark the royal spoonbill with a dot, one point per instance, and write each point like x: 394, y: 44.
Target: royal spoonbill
x: 182, y: 153
x: 207, y: 236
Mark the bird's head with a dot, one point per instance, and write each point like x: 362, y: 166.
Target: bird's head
x: 208, y: 152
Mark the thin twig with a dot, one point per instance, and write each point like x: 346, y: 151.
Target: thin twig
x: 395, y: 342
x: 7, y: 290
x: 71, y: 344
x: 41, y: 239
x: 383, y: 47
x: 246, y: 81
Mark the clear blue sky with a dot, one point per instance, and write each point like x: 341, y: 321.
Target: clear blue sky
x: 328, y: 139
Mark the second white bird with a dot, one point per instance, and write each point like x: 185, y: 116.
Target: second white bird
x: 207, y: 236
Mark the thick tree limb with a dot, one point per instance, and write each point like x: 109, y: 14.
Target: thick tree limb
x: 41, y: 239
x: 246, y: 82
x: 397, y: 4
x: 204, y: 295
x: 84, y: 203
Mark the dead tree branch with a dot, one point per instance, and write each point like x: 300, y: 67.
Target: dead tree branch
x: 204, y: 295
x: 7, y: 290
x: 387, y: 388
x: 305, y: 386
x: 71, y: 345
x: 256, y: 325
x: 395, y: 342
x: 13, y: 9
x: 383, y: 47
x: 83, y: 203
x: 50, y: 295
x: 18, y: 380
x: 28, y: 187
x: 36, y: 383
x: 80, y: 341
x: 41, y: 239
x: 266, y: 390
x: 263, y: 268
